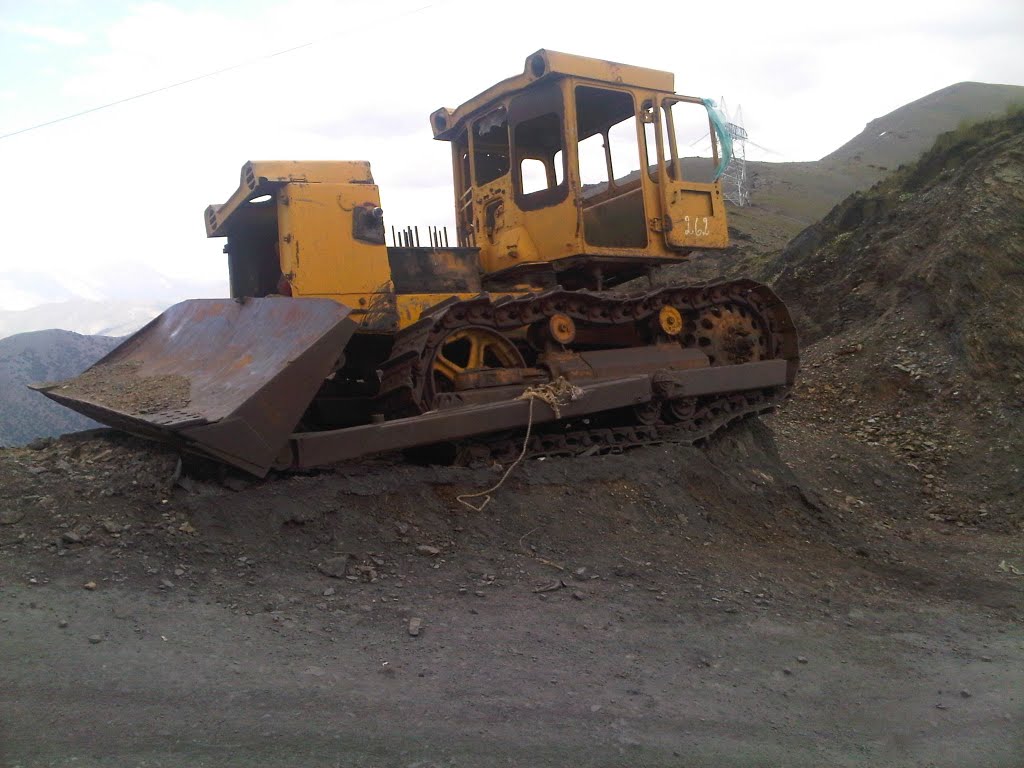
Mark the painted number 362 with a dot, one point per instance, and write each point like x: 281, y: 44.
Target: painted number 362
x: 697, y: 226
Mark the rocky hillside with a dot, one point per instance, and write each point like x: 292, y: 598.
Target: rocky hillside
x: 789, y: 196
x: 942, y: 239
x: 42, y: 356
x: 908, y: 300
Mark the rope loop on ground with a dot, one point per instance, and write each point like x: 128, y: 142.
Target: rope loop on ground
x: 555, y: 394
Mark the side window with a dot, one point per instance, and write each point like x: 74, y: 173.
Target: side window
x: 533, y: 174
x: 593, y: 164
x: 624, y: 151
x: 692, y: 151
x: 490, y: 147
x: 537, y: 146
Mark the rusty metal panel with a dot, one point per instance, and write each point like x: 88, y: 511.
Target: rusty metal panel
x: 722, y: 378
x: 609, y: 363
x: 319, y: 448
x: 435, y: 270
x: 226, y: 378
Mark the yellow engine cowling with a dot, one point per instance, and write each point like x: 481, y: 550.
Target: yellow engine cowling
x: 316, y: 230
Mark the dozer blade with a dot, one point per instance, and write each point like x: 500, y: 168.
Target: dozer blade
x: 226, y: 378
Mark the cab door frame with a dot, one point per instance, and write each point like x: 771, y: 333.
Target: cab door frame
x: 693, y: 212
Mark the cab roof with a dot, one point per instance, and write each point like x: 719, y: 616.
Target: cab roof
x: 447, y: 123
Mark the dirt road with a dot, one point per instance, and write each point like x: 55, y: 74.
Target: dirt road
x: 773, y: 599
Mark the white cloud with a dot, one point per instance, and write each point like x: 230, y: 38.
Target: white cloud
x: 60, y: 36
x: 131, y: 182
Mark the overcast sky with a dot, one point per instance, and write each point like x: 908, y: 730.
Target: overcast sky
x: 129, y: 183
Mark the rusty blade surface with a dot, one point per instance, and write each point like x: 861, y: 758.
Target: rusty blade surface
x: 222, y: 377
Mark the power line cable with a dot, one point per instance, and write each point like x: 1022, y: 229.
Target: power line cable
x: 190, y: 80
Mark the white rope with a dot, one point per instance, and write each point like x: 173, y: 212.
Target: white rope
x: 556, y: 394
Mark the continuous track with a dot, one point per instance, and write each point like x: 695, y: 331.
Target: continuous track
x: 734, y: 322
x: 709, y: 415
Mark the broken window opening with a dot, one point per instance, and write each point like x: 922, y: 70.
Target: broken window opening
x: 490, y: 147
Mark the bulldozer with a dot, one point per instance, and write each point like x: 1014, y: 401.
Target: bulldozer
x: 572, y: 186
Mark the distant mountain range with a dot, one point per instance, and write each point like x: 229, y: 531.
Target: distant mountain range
x: 113, y: 302
x: 36, y: 357
x: 110, y: 318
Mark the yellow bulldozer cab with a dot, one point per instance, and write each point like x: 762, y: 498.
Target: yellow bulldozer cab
x: 585, y: 164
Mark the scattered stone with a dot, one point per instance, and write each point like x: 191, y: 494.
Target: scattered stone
x: 166, y: 583
x: 10, y: 516
x: 787, y: 671
x: 335, y: 567
x: 402, y: 527
x: 187, y: 484
x: 365, y: 573
x: 40, y: 443
x: 63, y: 623
x: 328, y: 592
x: 236, y: 484
x: 577, y: 595
x: 110, y: 526
x: 179, y: 571
x: 186, y: 527
x: 550, y: 586
x: 801, y: 659
x: 90, y: 585
x: 70, y: 537
x: 415, y: 625
x: 94, y: 639
x: 428, y: 550
x: 986, y: 658
x: 965, y: 694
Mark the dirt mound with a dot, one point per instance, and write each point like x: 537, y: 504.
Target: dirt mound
x: 141, y: 513
x: 74, y: 486
x: 908, y: 301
